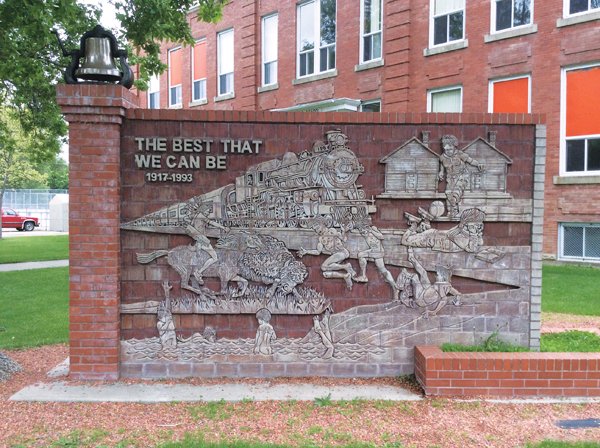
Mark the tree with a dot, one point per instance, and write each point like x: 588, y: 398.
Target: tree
x: 31, y: 63
x: 18, y: 152
x: 57, y: 173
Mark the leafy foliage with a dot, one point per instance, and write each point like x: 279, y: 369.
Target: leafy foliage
x: 147, y: 23
x: 32, y: 63
x: 18, y: 151
x: 323, y: 401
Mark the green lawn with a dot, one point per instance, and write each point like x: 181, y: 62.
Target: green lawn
x: 34, y: 248
x: 565, y: 342
x: 34, y: 307
x: 571, y: 290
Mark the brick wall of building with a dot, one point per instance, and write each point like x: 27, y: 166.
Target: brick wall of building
x: 402, y: 83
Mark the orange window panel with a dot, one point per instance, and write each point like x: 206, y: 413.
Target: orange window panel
x: 512, y: 97
x: 583, y: 97
x: 200, y: 60
x: 175, y: 67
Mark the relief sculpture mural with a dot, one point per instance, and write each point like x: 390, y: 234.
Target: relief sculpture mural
x: 257, y: 237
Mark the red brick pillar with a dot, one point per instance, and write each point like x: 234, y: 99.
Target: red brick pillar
x: 95, y: 114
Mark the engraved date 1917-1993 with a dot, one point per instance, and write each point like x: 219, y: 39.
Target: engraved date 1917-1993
x: 164, y: 177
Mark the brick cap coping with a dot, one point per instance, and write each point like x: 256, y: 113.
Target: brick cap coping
x: 95, y: 95
x: 334, y: 117
x: 427, y: 352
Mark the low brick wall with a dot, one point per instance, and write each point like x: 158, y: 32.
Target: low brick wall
x: 507, y: 374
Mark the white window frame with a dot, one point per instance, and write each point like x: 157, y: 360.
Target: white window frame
x: 317, y: 36
x: 362, y: 33
x: 561, y: 247
x: 157, y: 91
x: 171, y: 104
x: 566, y: 8
x: 432, y: 24
x: 219, y: 34
x: 264, y: 46
x: 374, y: 101
x: 494, y: 12
x: 203, y: 39
x: 430, y: 92
x: 508, y: 78
x: 563, y: 123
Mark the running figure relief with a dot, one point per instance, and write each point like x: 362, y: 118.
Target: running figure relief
x: 374, y: 239
x: 332, y: 241
x: 454, y: 162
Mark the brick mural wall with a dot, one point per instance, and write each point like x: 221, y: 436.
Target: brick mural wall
x: 372, y: 335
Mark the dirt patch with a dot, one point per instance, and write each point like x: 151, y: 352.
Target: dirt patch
x: 557, y: 322
x: 435, y: 421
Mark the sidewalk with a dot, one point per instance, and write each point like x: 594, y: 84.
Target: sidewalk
x: 160, y: 393
x: 33, y: 265
x: 8, y: 233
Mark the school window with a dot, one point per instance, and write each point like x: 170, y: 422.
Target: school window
x: 510, y: 95
x: 507, y: 14
x: 581, y: 6
x: 225, y: 62
x: 199, y: 71
x: 269, y: 47
x: 371, y: 19
x: 447, y: 21
x: 153, y: 93
x: 371, y: 106
x: 580, y: 119
x: 175, y: 77
x: 448, y: 99
x: 579, y: 241
x: 316, y: 37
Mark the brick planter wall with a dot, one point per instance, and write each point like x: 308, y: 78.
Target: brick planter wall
x: 507, y: 374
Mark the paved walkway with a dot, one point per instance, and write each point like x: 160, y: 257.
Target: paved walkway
x: 33, y: 265
x: 159, y: 393
x: 14, y: 232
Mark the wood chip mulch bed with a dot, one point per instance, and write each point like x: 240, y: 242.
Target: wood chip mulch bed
x: 432, y: 422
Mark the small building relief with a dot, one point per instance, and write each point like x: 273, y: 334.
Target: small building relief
x: 474, y: 176
x: 411, y: 171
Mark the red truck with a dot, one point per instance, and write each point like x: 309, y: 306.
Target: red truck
x: 11, y: 219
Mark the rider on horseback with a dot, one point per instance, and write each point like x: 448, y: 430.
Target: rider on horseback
x: 202, y: 242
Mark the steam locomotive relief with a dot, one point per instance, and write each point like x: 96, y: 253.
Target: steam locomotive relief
x: 298, y: 188
x: 286, y: 193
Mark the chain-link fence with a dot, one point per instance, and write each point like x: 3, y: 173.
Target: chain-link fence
x: 36, y: 203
